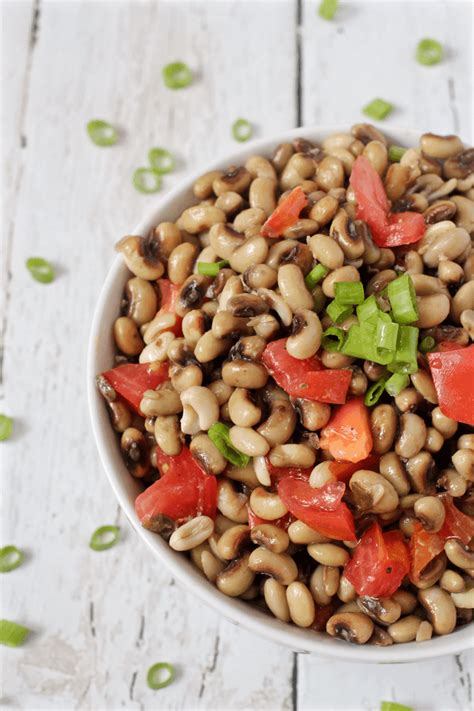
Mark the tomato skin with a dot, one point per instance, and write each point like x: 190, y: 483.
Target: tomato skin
x: 285, y: 369
x: 329, y: 386
x: 348, y: 435
x: 286, y: 214
x: 453, y: 377
x: 344, y: 470
x: 132, y: 379
x: 424, y: 547
x: 379, y: 563
x: 282, y: 522
x: 169, y: 296
x: 456, y: 523
x: 449, y: 346
x: 183, y: 491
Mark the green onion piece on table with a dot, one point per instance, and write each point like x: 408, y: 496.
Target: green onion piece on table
x: 374, y: 392
x: 161, y: 160
x: 327, y: 9
x: 316, y: 275
x: 177, y: 75
x: 11, y: 557
x: 146, y: 180
x: 242, y: 130
x: 396, y: 383
x: 219, y: 435
x: 104, y: 538
x: 332, y: 339
x: 386, y: 333
x: 395, y: 153
x: 378, y: 109
x: 368, y: 310
x: 405, y: 358
x: 429, y: 51
x: 12, y: 634
x: 402, y: 297
x: 393, y: 706
x: 338, y: 312
x: 160, y: 675
x: 102, y: 133
x: 6, y: 427
x: 349, y: 293
x: 427, y: 344
x: 40, y: 269
x: 211, y: 268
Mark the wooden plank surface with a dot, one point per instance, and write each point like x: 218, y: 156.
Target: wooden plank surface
x: 101, y: 619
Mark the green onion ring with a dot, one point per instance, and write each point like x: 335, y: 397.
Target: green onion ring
x: 11, y: 557
x: 155, y: 672
x: 146, y: 180
x: 378, y: 109
x: 374, y: 393
x: 40, y: 269
x: 327, y: 9
x: 241, y: 130
x: 6, y: 427
x: 427, y: 344
x: 161, y: 160
x: 102, y: 133
x: 429, y: 52
x: 104, y: 538
x: 177, y: 75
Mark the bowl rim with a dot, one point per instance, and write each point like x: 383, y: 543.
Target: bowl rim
x: 235, y: 610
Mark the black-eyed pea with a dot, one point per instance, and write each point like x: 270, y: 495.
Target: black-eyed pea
x: 301, y: 228
x: 210, y: 565
x: 317, y: 586
x: 467, y: 322
x: 331, y: 577
x: 383, y: 423
x: 405, y: 629
x: 202, y: 187
x: 346, y: 591
x: 230, y: 203
x: 459, y: 555
x: 330, y: 173
x: 441, y: 147
x: 260, y: 276
x: 450, y: 272
x: 376, y: 153
x: 266, y: 504
x: 157, y: 350
x: 248, y: 441
x: 262, y: 194
x: 396, y: 181
x: 272, y: 537
x: 127, y: 337
x: 209, y: 347
x: 430, y: 511
x: 392, y: 469
x: 232, y: 541
x: 463, y: 461
x: 260, y: 167
x: 380, y: 280
x: 347, y: 273
x: 353, y: 627
x: 349, y: 234
x: 453, y: 482
x: 328, y: 554
x: 464, y: 213
x: 200, y: 218
x: 301, y: 534
x: 333, y: 359
x: 140, y: 256
x: 293, y: 288
x: 424, y: 632
x: 372, y: 492
x: 452, y: 582
x: 235, y: 179
x: 326, y: 250
x: 280, y: 424
x: 300, y: 604
x: 321, y: 475
x: 236, y: 578
x: 384, y: 610
x: 231, y: 503
x: 380, y: 637
x: 120, y: 415
x: 406, y: 600
x: 245, y: 475
x: 168, y: 434
x: 275, y: 598
x: 282, y: 155
x: 432, y: 310
x: 241, y: 373
x: 464, y: 600
x: 412, y: 435
x: 313, y: 415
x: 184, y: 378
x: 439, y: 608
x: 279, y: 566
x: 205, y: 405
x: 181, y: 261
x: 163, y: 401
x: 466, y: 441
x: 443, y: 423
x: 192, y: 533
x: 305, y: 338
x: 206, y: 453
x: 299, y: 167
x: 243, y: 408
x: 253, y: 251
x: 419, y: 469
x: 434, y: 440
x: 278, y: 304
x: 432, y: 573
x: 142, y: 300
x: 324, y: 210
x: 292, y: 455
x: 423, y: 383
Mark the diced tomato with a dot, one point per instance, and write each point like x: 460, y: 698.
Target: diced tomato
x: 183, y: 491
x: 344, y: 470
x: 387, y: 229
x: 282, y: 522
x: 169, y: 297
x: 453, y: 378
x: 379, y: 563
x: 285, y: 369
x: 424, y: 547
x: 329, y: 385
x: 348, y: 435
x: 286, y: 214
x: 132, y: 379
x: 448, y: 346
x: 321, y: 509
x: 456, y: 523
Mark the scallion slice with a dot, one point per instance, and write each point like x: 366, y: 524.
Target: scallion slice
x: 429, y: 51
x: 386, y: 333
x: 360, y: 343
x: 395, y: 153
x: 349, y: 293
x: 332, y: 339
x: 102, y: 133
x: 327, y: 9
x: 177, y: 75
x: 211, y: 268
x: 338, y: 312
x: 40, y: 269
x: 427, y: 344
x: 146, y: 180
x: 368, y: 310
x: 161, y: 160
x: 396, y: 383
x: 405, y: 360
x: 12, y: 634
x: 402, y: 297
x: 316, y: 275
x: 6, y: 427
x: 242, y: 130
x: 160, y: 675
x: 218, y: 433
x: 10, y: 558
x: 373, y: 394
x: 378, y: 109
x: 104, y: 538
x: 393, y: 706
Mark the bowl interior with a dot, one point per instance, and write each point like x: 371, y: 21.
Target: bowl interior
x: 100, y: 357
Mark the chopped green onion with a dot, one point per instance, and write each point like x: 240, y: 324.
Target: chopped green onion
x: 402, y: 297
x: 219, y: 435
x: 332, y: 339
x: 429, y: 51
x: 378, y: 109
x: 373, y: 394
x: 405, y: 360
x: 102, y: 133
x: 160, y: 675
x: 395, y: 153
x: 177, y: 75
x: 10, y: 558
x: 242, y: 130
x: 368, y: 310
x: 104, y: 538
x: 40, y: 269
x: 338, y: 312
x: 393, y: 706
x: 396, y: 383
x: 427, y: 344
x: 146, y: 180
x: 327, y: 9
x: 360, y: 343
x: 6, y: 427
x: 349, y: 292
x: 386, y: 333
x: 161, y: 160
x: 12, y: 634
x: 316, y: 275
x: 211, y: 268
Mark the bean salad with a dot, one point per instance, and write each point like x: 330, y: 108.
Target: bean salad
x: 294, y: 383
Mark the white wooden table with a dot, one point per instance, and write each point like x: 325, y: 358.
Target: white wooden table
x: 100, y: 620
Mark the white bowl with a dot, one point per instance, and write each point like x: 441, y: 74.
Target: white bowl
x: 100, y: 358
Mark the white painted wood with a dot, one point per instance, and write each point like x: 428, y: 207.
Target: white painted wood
x: 101, y: 619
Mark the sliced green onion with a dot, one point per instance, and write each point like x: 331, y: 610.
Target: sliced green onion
x: 396, y: 383
x: 395, y: 153
x: 219, y: 435
x: 10, y: 558
x: 338, y: 312
x: 332, y: 339
x: 429, y: 51
x: 40, y: 269
x: 146, y: 180
x: 177, y: 75
x: 104, y: 538
x: 378, y: 109
x: 349, y: 293
x: 386, y: 333
x: 327, y: 9
x: 360, y: 343
x: 427, y: 344
x: 12, y: 634
x: 393, y: 706
x: 160, y: 675
x: 368, y: 310
x: 211, y: 268
x: 373, y: 394
x: 161, y: 160
x: 242, y: 130
x: 405, y: 360
x: 6, y: 427
x: 316, y: 275
x: 102, y: 133
x: 402, y: 297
